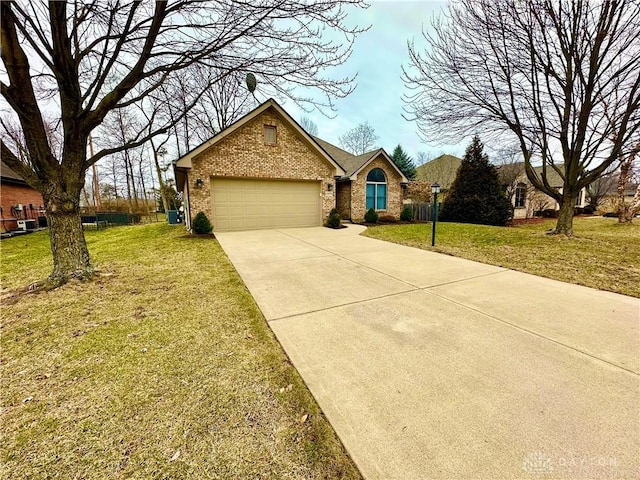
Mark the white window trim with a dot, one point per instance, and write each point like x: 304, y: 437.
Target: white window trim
x: 375, y: 196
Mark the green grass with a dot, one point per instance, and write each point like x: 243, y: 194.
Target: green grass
x: 162, y: 367
x: 601, y: 255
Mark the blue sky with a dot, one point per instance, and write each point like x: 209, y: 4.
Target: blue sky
x: 377, y: 58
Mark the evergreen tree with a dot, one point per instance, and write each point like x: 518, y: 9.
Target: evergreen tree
x: 201, y: 224
x: 404, y: 162
x: 476, y: 195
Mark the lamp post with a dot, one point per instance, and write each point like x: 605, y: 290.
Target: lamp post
x: 435, y: 189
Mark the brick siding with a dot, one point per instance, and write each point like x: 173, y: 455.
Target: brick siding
x: 394, y: 190
x: 10, y: 196
x: 244, y: 154
x: 343, y: 199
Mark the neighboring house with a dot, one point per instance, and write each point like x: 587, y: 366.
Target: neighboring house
x: 442, y: 169
x: 526, y: 199
x: 609, y: 202
x: 18, y: 201
x: 266, y: 171
x: 630, y: 192
x: 603, y: 193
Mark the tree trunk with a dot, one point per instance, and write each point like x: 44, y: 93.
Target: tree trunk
x: 144, y: 189
x: 163, y: 195
x: 564, y: 225
x: 68, y: 246
x: 629, y: 210
x: 126, y: 168
x: 624, y: 215
x: 115, y: 180
x: 133, y: 185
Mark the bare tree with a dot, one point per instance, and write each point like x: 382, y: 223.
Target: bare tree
x: 86, y: 60
x: 159, y: 151
x: 115, y: 175
x: 626, y: 211
x: 510, y: 170
x: 141, y: 162
x: 223, y: 103
x: 626, y: 162
x: 536, y: 202
x: 108, y: 191
x: 601, y: 187
x: 422, y: 158
x: 360, y: 139
x: 540, y: 72
x: 309, y: 126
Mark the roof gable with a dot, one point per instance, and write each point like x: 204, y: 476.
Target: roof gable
x: 442, y: 169
x: 369, y: 157
x: 353, y: 164
x: 184, y: 162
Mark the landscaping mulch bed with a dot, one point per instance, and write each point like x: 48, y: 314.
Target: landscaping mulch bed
x: 525, y: 221
x: 199, y: 235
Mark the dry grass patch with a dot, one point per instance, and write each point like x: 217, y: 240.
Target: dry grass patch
x: 601, y: 255
x: 163, y: 367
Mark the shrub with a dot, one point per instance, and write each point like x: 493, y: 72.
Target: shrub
x: 334, y: 210
x: 407, y: 214
x: 334, y: 220
x: 201, y: 224
x: 547, y: 213
x: 589, y: 209
x: 371, y: 216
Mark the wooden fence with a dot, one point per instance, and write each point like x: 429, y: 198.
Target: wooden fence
x: 423, y: 212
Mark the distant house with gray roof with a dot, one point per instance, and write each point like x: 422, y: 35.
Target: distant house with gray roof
x: 525, y: 198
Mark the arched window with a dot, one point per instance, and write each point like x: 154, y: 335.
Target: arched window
x: 521, y: 195
x: 376, y: 190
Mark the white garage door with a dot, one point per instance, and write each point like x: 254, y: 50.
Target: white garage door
x: 241, y: 204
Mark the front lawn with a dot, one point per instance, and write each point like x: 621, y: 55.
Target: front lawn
x: 601, y: 255
x: 163, y: 367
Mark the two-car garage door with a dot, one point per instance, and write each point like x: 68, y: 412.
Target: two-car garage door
x: 245, y: 204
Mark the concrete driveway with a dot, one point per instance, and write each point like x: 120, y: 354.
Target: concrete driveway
x: 430, y: 366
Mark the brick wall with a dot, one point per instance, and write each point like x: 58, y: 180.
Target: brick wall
x: 394, y: 190
x: 244, y: 154
x: 10, y: 196
x: 343, y: 199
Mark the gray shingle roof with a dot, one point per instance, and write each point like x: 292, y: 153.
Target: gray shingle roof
x: 442, y: 169
x: 349, y: 162
x: 7, y: 173
x: 553, y: 178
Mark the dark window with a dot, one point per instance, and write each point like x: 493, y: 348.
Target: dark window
x: 521, y: 195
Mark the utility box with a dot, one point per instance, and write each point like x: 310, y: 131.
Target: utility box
x: 26, y: 225
x: 173, y: 216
